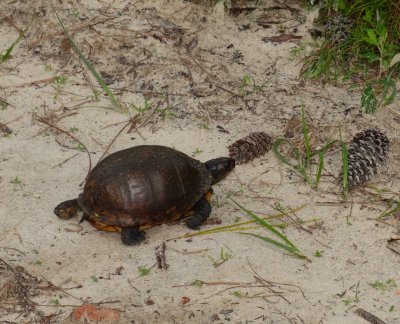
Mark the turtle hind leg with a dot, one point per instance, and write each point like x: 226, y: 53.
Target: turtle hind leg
x: 67, y: 209
x: 132, y: 236
x: 200, y: 213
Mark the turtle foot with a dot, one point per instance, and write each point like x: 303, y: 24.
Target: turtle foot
x: 132, y: 236
x: 200, y: 213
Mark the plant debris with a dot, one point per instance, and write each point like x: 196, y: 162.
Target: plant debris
x: 185, y: 300
x: 20, y: 292
x: 368, y: 316
x: 282, y: 38
x: 5, y: 129
x: 89, y: 312
x: 160, y: 257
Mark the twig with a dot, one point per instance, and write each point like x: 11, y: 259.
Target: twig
x: 217, y: 283
x: 276, y: 283
x: 291, y: 321
x: 277, y: 293
x: 14, y: 249
x: 44, y: 121
x: 131, y: 121
x: 130, y: 284
x: 75, y: 29
x: 189, y: 252
x: 227, y: 90
x: 79, y: 104
x: 10, y: 22
x: 60, y: 164
x: 52, y: 118
x: 55, y: 287
x: 28, y: 84
x: 61, y: 305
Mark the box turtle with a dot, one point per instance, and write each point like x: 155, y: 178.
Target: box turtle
x: 144, y: 186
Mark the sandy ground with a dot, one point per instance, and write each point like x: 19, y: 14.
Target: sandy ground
x: 188, y: 61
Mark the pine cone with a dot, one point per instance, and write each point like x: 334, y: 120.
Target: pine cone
x: 250, y: 147
x: 367, y: 151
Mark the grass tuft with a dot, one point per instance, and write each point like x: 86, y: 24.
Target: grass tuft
x: 361, y: 44
x: 304, y: 161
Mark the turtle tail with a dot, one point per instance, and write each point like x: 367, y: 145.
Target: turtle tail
x: 67, y: 209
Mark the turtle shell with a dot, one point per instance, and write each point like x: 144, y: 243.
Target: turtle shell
x: 143, y: 186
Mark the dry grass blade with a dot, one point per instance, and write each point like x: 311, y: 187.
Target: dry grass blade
x: 98, y: 77
x: 390, y: 211
x: 132, y: 121
x: 345, y: 160
x: 237, y: 226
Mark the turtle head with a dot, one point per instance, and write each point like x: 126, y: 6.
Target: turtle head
x: 67, y: 209
x: 220, y: 168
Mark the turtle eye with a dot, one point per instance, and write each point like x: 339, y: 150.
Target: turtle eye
x: 220, y: 168
x: 229, y: 164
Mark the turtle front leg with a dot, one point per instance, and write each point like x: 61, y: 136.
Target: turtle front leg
x: 200, y: 213
x: 132, y: 236
x: 67, y: 209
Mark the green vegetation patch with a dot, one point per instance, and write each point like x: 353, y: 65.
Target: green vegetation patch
x: 360, y: 46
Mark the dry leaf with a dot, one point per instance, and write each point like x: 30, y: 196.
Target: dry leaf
x: 89, y: 312
x: 395, y: 60
x: 185, y: 300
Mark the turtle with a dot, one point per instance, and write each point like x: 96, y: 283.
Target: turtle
x: 144, y: 186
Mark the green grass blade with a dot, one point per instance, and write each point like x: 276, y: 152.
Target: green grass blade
x: 304, y: 163
x: 4, y: 57
x: 264, y: 224
x: 388, y: 84
x: 275, y: 147
x: 218, y: 230
x: 299, y: 169
x: 288, y: 248
x: 98, y: 77
x: 236, y: 226
x: 231, y: 228
x: 307, y: 144
x: 320, y: 168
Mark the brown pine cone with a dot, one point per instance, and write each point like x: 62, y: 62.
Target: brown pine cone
x: 250, y: 147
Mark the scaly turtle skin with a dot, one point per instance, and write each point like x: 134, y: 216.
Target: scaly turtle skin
x: 144, y: 186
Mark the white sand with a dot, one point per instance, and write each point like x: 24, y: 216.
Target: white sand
x: 140, y: 52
